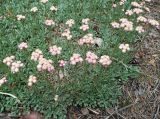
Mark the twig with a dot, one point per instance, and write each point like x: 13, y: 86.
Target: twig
x: 156, y: 115
x: 121, y: 115
x: 11, y: 95
x: 121, y: 109
x: 95, y: 112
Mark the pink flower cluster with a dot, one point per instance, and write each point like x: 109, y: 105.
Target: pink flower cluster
x: 114, y: 5
x: 49, y: 22
x: 137, y: 10
x: 2, y: 81
x: 142, y: 19
x: 153, y: 22
x: 56, y: 97
x: 87, y: 39
x: 34, y: 9
x: 54, y: 50
x: 85, y: 21
x: 85, y: 25
x: 45, y: 65
x: 126, y: 24
x: 67, y: 34
x: 140, y: 29
x: 122, y: 2
x: 115, y: 25
x: 147, y: 9
x: 136, y: 4
x: 91, y: 57
x: 150, y: 21
x: 148, y: 0
x: 105, y: 60
x: 9, y: 60
x: 70, y: 22
x: 32, y: 79
x: 75, y: 59
x: 16, y: 65
x: 43, y: 1
x: 62, y: 63
x: 23, y: 45
x: 53, y: 8
x: 13, y: 64
x: 36, y: 55
x: 124, y: 47
x: 20, y: 17
x: 129, y: 12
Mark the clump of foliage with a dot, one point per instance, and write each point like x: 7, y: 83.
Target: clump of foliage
x: 84, y: 84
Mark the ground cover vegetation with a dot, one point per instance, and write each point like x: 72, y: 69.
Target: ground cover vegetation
x: 60, y: 53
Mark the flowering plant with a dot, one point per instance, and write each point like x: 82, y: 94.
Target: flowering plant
x: 60, y: 54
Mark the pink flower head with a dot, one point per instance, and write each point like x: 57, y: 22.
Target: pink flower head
x: 142, y: 19
x: 85, y: 21
x: 75, y: 59
x: 62, y: 63
x: 124, y: 47
x: 70, y: 22
x: 32, y: 79
x: 36, y: 55
x: 34, y: 9
x: 53, y: 8
x: 54, y: 50
x: 147, y: 9
x: 3, y: 80
x: 43, y: 1
x: 87, y: 39
x: 91, y: 57
x: 23, y: 45
x: 67, y: 34
x: 136, y: 4
x: 56, y: 97
x: 122, y: 2
x: 148, y: 0
x: 20, y: 17
x: 115, y: 25
x: 105, y: 60
x: 114, y: 5
x: 80, y: 41
x: 129, y: 12
x: 84, y: 27
x: 9, y: 60
x: 139, y: 29
x: 15, y: 66
x: 49, y: 22
x: 137, y: 10
x: 126, y: 24
x: 153, y: 22
x: 45, y: 65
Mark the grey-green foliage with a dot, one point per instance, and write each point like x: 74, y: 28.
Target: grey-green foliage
x: 85, y: 85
